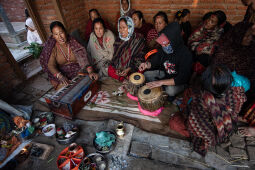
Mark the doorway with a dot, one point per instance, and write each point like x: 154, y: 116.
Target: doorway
x: 14, y: 31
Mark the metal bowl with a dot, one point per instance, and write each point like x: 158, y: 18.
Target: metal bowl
x: 110, y: 149
x: 65, y: 141
x: 97, y: 159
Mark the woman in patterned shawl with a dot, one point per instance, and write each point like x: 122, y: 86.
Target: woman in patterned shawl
x: 160, y: 22
x: 236, y: 50
x: 128, y: 50
x: 210, y: 115
x: 204, y: 39
x: 141, y: 26
x: 63, y: 57
x: 100, y: 47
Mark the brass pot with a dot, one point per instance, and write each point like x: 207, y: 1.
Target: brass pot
x: 120, y: 130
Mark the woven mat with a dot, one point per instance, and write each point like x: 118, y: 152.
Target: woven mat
x: 123, y: 109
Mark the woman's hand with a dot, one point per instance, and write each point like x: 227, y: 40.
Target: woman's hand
x: 118, y: 72
x: 144, y: 66
x: 154, y: 84
x: 63, y: 80
x: 125, y: 72
x: 93, y: 76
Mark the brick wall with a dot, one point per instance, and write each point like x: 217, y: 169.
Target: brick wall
x: 46, y: 11
x: 76, y: 11
x: 8, y: 78
x: 75, y: 14
x: 14, y: 9
x: 109, y: 8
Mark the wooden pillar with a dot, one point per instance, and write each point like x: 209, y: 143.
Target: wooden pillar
x: 60, y: 15
x: 11, y: 60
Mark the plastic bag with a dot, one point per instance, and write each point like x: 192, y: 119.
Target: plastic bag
x: 240, y: 81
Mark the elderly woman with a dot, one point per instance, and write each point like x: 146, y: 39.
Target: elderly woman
x: 100, y: 47
x: 141, y: 26
x: 128, y: 50
x: 160, y: 22
x: 63, y: 57
x: 93, y: 14
x: 209, y: 115
x: 204, y: 39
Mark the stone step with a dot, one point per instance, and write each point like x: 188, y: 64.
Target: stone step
x: 19, y: 53
x: 165, y: 149
x: 123, y: 144
x: 16, y: 38
x: 31, y: 67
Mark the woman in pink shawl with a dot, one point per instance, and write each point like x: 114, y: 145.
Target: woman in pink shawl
x: 63, y: 57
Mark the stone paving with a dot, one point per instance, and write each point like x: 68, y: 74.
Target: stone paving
x: 138, y: 149
x: 18, y: 26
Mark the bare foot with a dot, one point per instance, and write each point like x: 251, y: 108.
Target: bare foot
x: 247, y: 131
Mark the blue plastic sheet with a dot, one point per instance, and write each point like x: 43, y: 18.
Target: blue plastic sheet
x: 240, y: 81
x: 105, y: 139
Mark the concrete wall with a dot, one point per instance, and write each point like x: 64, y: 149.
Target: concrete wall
x: 14, y: 9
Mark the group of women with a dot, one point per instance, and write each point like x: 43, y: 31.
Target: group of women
x: 166, y: 53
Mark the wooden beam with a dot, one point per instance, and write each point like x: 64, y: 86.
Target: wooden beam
x: 20, y: 74
x: 36, y: 19
x: 60, y: 15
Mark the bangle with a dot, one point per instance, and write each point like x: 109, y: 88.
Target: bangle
x: 148, y: 64
x: 59, y: 75
x: 55, y: 75
x: 89, y: 69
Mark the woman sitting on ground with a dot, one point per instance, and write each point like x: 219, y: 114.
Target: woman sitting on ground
x: 160, y: 22
x: 100, y: 47
x: 141, y: 26
x: 225, y: 25
x: 208, y: 116
x: 203, y: 41
x: 170, y: 67
x: 93, y: 14
x: 236, y: 50
x: 63, y: 57
x: 182, y: 17
x: 128, y: 50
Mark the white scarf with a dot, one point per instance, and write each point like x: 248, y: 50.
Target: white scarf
x: 130, y: 25
x: 30, y: 23
x: 122, y: 12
